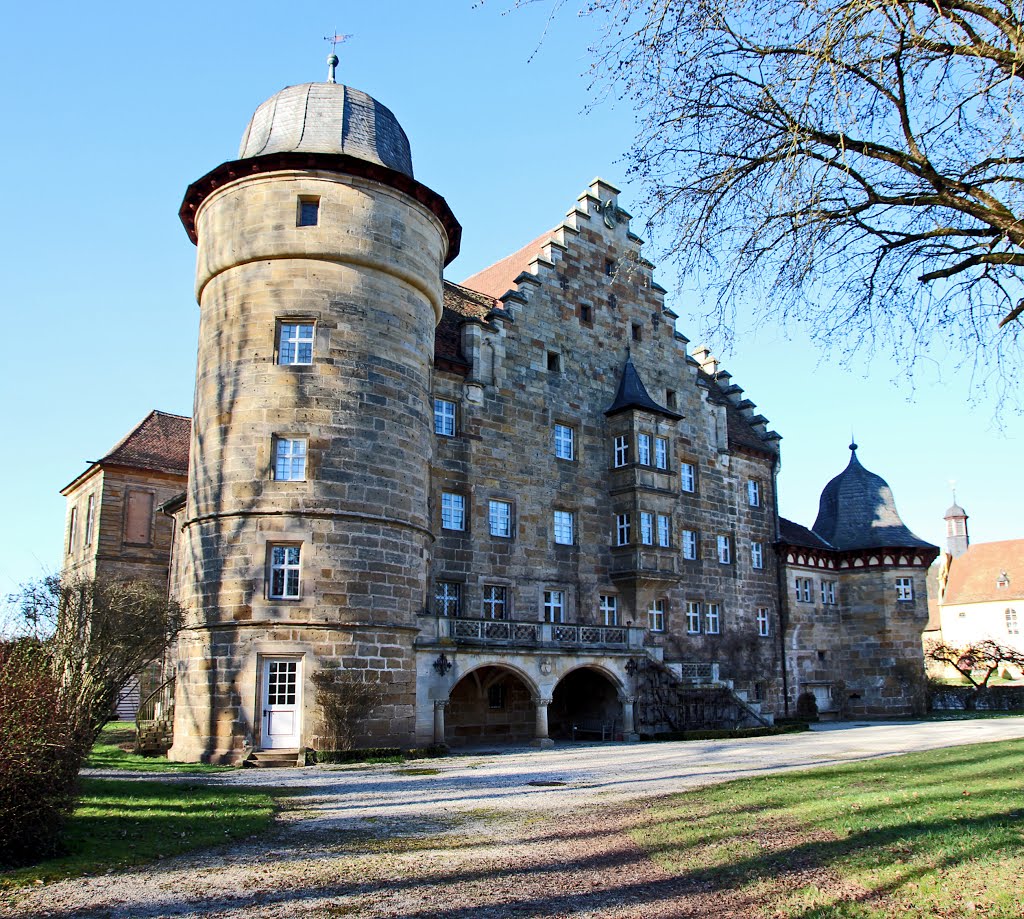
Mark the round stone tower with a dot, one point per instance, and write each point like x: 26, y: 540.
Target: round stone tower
x: 304, y: 540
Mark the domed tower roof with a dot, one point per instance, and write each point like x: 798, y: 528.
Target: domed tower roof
x: 955, y: 510
x: 857, y: 511
x: 327, y: 118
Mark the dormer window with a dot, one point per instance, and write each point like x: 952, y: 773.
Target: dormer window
x: 1003, y: 581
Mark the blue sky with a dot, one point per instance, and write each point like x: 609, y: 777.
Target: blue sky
x: 112, y: 110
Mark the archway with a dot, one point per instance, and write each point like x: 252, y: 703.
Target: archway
x: 585, y: 706
x: 490, y: 704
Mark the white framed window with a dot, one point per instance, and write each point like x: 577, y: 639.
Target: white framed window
x: 763, y: 622
x: 499, y: 518
x: 687, y: 477
x: 90, y: 519
x: 609, y: 609
x: 803, y: 590
x: 444, y: 417
x: 661, y: 453
x: 295, y: 343
x: 495, y: 602
x: 72, y: 529
x: 656, y: 616
x: 554, y: 606
x: 290, y: 459
x: 448, y: 598
x: 754, y: 493
x: 828, y: 592
x: 284, y: 572
x: 646, y: 528
x: 453, y: 511
x: 904, y: 589
x: 565, y: 442
x: 643, y: 449
x: 713, y: 619
x: 724, y: 550
x: 693, y: 617
x: 1012, y: 625
x: 664, y: 530
x: 756, y: 555
x: 621, y: 451
x: 622, y: 530
x: 565, y: 527
x: 689, y: 544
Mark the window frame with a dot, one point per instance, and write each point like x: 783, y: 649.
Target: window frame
x: 608, y: 606
x: 285, y: 439
x: 660, y: 453
x: 690, y: 545
x: 623, y: 530
x: 443, y: 417
x: 694, y: 617
x: 285, y: 567
x: 753, y: 493
x: 663, y: 527
x: 656, y: 616
x: 295, y: 342
x: 688, y: 477
x: 713, y: 619
x: 492, y: 505
x: 757, y: 555
x: 643, y: 449
x: 724, y: 549
x: 828, y: 592
x: 620, y: 452
x: 1012, y: 621
x: 565, y: 442
x: 302, y: 203
x: 72, y: 528
x: 646, y: 528
x: 443, y: 600
x: 559, y: 520
x: 803, y: 588
x: 453, y: 502
x: 763, y: 622
x: 904, y: 590
x: 494, y: 596
x: 551, y: 605
x: 90, y: 518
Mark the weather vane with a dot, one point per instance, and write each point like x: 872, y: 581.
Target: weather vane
x: 332, y: 59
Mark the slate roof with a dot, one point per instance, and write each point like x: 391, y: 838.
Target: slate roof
x: 857, y: 511
x: 973, y: 576
x: 499, y: 278
x: 740, y: 432
x: 160, y: 442
x: 792, y: 534
x: 633, y: 394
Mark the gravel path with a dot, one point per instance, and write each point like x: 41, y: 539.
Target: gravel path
x: 473, y: 836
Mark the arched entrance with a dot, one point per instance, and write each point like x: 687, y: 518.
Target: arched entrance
x: 585, y: 706
x: 490, y: 704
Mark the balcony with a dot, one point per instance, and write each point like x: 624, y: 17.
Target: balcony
x: 515, y: 633
x: 652, y: 563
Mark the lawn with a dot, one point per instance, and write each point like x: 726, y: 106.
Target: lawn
x: 927, y: 834
x: 113, y: 751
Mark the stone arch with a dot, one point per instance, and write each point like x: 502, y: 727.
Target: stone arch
x: 492, y: 702
x: 587, y: 704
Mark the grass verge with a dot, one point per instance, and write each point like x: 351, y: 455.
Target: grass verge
x: 122, y: 822
x: 112, y: 750
x: 926, y: 834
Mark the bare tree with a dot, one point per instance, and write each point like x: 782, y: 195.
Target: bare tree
x: 855, y: 164
x: 977, y: 662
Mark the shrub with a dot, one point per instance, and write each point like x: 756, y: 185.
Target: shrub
x: 807, y: 707
x: 345, y: 702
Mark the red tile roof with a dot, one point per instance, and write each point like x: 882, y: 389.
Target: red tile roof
x: 974, y: 575
x: 160, y: 441
x: 500, y: 277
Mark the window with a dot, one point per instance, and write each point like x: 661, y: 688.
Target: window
x: 687, y: 477
x: 621, y: 450
x: 643, y: 449
x: 72, y: 529
x: 565, y: 526
x: 656, y: 616
x: 622, y: 534
x: 565, y: 442
x: 670, y: 399
x: 284, y: 572
x: 496, y: 696
x: 90, y: 519
x: 756, y: 555
x: 763, y: 623
x: 586, y: 313
x: 646, y: 528
x: 495, y: 602
x: 754, y: 493
x: 609, y: 267
x: 724, y: 550
x: 693, y: 617
x: 690, y: 544
x: 554, y: 362
x: 499, y: 518
x: 444, y: 417
x: 609, y: 609
x: 290, y: 459
x: 663, y: 530
x: 308, y: 213
x: 803, y: 590
x: 661, y: 452
x: 448, y: 598
x: 295, y: 343
x: 1012, y: 626
x: 904, y: 589
x: 554, y: 605
x: 636, y: 332
x: 828, y: 592
x: 453, y: 511
x: 713, y: 619
x: 138, y: 517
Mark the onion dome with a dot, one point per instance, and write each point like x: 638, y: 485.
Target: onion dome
x: 857, y: 511
x: 327, y: 118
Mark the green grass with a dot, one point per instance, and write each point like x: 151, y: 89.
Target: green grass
x: 927, y: 834
x: 113, y: 751
x: 122, y: 822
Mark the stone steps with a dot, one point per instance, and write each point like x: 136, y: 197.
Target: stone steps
x: 275, y: 759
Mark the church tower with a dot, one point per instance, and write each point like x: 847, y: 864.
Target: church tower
x: 304, y: 540
x: 957, y: 538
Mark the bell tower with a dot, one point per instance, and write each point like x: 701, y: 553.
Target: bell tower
x: 957, y: 538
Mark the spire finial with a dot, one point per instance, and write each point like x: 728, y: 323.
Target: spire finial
x: 332, y: 58
x: 952, y: 488
x: 853, y: 443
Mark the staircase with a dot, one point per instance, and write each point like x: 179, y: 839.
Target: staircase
x: 275, y: 759
x: 154, y: 721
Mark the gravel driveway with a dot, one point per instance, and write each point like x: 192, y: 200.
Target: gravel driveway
x: 477, y: 835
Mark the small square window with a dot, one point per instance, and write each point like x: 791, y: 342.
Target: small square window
x: 290, y: 459
x: 656, y: 616
x: 724, y: 550
x: 453, y: 511
x: 636, y: 332
x: 444, y: 417
x: 295, y: 343
x: 565, y: 527
x: 609, y: 267
x: 670, y: 399
x: 448, y: 598
x: 495, y: 602
x: 763, y: 622
x: 713, y: 619
x: 586, y: 313
x: 499, y: 518
x: 565, y: 442
x: 308, y: 212
x: 284, y: 572
x: 904, y: 589
x: 554, y: 606
x: 554, y: 362
x: 692, y: 617
x: 687, y: 477
x: 609, y: 609
x: 689, y: 544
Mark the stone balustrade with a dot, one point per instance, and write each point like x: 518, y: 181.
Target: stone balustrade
x: 530, y: 633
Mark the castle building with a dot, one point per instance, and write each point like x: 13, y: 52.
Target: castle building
x: 504, y: 503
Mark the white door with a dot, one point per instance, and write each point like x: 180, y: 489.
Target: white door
x: 282, y: 703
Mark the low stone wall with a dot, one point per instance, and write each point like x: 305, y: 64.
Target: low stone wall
x: 943, y: 698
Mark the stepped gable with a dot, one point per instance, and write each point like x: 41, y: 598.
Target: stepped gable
x: 460, y: 304
x: 499, y: 278
x: 159, y: 442
x: 633, y: 394
x: 974, y: 577
x: 857, y: 511
x: 792, y: 534
x: 745, y: 429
